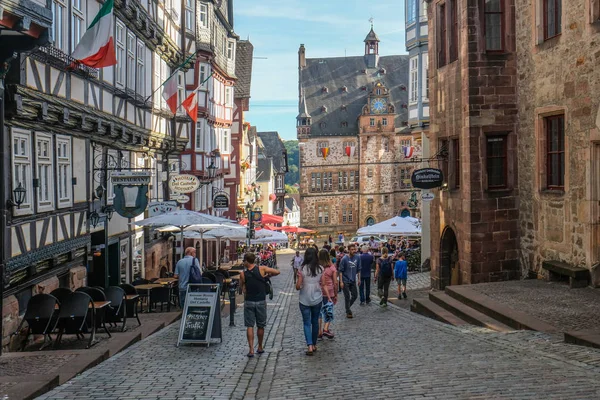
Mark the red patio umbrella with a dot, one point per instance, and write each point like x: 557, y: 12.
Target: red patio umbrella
x: 266, y: 219
x: 295, y: 229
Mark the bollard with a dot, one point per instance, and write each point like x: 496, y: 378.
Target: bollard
x: 232, y: 290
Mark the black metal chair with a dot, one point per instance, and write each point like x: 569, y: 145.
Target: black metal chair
x: 73, y: 317
x: 131, y: 307
x: 97, y: 295
x: 161, y: 295
x: 220, y: 276
x: 40, y: 317
x: 206, y: 281
x: 211, y: 276
x: 117, y: 310
x: 61, y: 293
x: 100, y: 288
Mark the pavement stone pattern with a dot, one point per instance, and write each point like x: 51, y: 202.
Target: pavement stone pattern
x: 34, y: 365
x: 381, y: 353
x: 564, y: 308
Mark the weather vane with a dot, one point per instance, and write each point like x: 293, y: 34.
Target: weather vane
x: 371, y: 21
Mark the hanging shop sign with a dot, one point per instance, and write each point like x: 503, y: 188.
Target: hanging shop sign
x: 221, y: 202
x: 427, y: 178
x: 130, y: 177
x: 427, y: 196
x: 131, y: 192
x: 161, y: 207
x: 182, y: 198
x: 184, y: 183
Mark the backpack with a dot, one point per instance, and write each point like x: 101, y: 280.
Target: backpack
x: 385, y: 267
x: 195, y: 275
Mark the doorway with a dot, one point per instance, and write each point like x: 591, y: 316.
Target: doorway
x: 370, y: 221
x: 405, y: 213
x: 449, y: 265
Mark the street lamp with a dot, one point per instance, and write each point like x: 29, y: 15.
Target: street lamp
x: 109, y: 211
x: 94, y: 218
x: 18, y: 196
x: 99, y: 191
x: 212, y: 170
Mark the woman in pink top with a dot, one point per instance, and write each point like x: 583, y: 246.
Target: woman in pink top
x: 331, y: 283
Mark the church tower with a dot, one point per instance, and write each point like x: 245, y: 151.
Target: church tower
x: 372, y: 49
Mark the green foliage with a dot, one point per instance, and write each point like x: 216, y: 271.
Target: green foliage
x: 293, y: 175
x: 413, y: 259
x: 290, y: 189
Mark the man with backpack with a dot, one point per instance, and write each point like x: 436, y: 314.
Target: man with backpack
x: 254, y: 286
x: 383, y: 276
x: 187, y: 271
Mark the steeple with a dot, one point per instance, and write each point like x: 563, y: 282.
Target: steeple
x: 303, y: 120
x: 372, y: 48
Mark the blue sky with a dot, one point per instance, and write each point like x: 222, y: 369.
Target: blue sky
x: 328, y: 28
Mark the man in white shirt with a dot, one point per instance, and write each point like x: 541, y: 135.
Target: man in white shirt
x: 297, y: 264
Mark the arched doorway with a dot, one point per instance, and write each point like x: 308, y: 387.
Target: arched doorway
x: 405, y: 213
x: 449, y: 267
x: 370, y: 221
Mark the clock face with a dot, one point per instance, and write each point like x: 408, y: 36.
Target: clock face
x: 378, y: 106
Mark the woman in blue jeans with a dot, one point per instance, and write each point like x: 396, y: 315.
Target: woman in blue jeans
x: 309, y: 283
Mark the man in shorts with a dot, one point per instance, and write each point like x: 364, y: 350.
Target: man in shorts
x: 255, y: 288
x: 401, y: 273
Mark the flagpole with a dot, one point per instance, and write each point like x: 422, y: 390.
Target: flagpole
x: 170, y: 76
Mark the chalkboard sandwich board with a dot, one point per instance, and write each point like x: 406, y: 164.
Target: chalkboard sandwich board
x: 201, y: 319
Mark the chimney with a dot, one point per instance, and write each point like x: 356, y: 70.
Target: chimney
x: 302, y: 57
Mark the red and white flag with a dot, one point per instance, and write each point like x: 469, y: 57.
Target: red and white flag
x: 350, y: 151
x: 96, y: 47
x: 170, y: 93
x: 190, y: 104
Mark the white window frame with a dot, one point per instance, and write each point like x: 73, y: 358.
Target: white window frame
x: 321, y: 145
x: 226, y: 148
x: 229, y: 96
x: 131, y: 60
x: 372, y: 122
x: 120, y: 33
x: 203, y: 74
x: 64, y: 171
x: 60, y: 25
x: 22, y: 169
x: 413, y: 91
x: 384, y: 121
x: 77, y: 22
x: 230, y: 50
x: 425, y: 75
x: 199, y: 137
x: 44, y: 171
x: 189, y: 15
x: 180, y: 92
x: 203, y: 13
x: 140, y: 75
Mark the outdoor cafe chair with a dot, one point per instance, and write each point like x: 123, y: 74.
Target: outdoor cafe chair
x: 211, y: 276
x: 97, y: 295
x: 61, y: 293
x: 131, y: 308
x: 220, y: 276
x: 140, y: 281
x: 116, y: 310
x: 161, y: 295
x: 73, y: 316
x: 40, y: 317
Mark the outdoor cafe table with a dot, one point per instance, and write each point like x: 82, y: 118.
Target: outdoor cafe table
x: 165, y: 281
x: 148, y: 287
x: 97, y: 305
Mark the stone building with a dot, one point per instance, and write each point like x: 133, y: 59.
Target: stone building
x: 473, y: 133
x: 559, y: 133
x: 352, y: 129
x: 273, y: 150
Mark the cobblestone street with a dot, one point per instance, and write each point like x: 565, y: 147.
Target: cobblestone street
x: 380, y: 353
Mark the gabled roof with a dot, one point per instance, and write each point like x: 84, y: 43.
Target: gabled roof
x: 290, y: 203
x: 243, y: 69
x: 264, y: 172
x: 274, y: 149
x: 329, y: 108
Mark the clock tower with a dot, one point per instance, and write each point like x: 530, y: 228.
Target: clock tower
x: 379, y: 114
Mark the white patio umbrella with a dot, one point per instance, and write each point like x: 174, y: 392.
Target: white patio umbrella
x: 231, y: 233
x: 205, y: 228
x: 267, y: 236
x: 182, y: 219
x: 395, y: 226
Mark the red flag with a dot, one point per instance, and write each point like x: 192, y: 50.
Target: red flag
x: 191, y: 105
x: 350, y: 151
x: 170, y: 92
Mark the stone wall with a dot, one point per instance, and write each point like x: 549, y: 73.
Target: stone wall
x: 77, y: 277
x: 473, y: 97
x: 556, y: 76
x: 10, y: 318
x: 158, y: 255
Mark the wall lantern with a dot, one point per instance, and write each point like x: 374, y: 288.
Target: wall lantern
x: 18, y: 196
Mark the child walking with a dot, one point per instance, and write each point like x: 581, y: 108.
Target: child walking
x: 401, y: 273
x: 329, y: 287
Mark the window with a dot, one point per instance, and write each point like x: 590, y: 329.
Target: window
x: 456, y: 159
x: 453, y: 39
x: 58, y: 24
x: 120, y: 54
x: 344, y: 124
x: 45, y: 172
x: 555, y: 152
x: 224, y: 45
x: 230, y: 50
x: 444, y: 162
x: 140, y: 74
x: 189, y: 15
x: 279, y: 182
x: 203, y: 75
x: 327, y: 181
x: 552, y: 18
x: 22, y: 167
x: 347, y: 216
x: 423, y: 11
x: 414, y: 80
x: 378, y: 92
x: 356, y: 183
x: 594, y: 11
x: 131, y: 61
x: 425, y: 75
x: 411, y: 12
x: 405, y: 143
x: 496, y: 162
x: 386, y: 199
x: 321, y: 145
x: 203, y: 15
x: 226, y: 135
x: 63, y: 170
x: 180, y: 91
x: 352, y: 180
x: 370, y: 172
x: 386, y: 144
x: 77, y: 25
x: 441, y: 35
x: 228, y: 97
x: 372, y: 122
x: 323, y: 215
x: 199, y: 136
x: 493, y: 20
x: 384, y: 122
x: 405, y: 174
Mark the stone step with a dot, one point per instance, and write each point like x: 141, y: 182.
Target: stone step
x: 429, y: 309
x: 467, y: 313
x: 588, y: 338
x: 498, y: 311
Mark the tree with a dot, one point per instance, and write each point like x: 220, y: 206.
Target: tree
x: 290, y: 189
x: 293, y: 175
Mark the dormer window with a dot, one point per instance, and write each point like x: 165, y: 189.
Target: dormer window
x: 324, y: 89
x: 344, y: 124
x: 364, y: 88
x: 323, y: 125
x: 344, y: 108
x: 323, y: 109
x: 364, y: 71
x: 344, y: 89
x: 378, y: 92
x: 382, y: 71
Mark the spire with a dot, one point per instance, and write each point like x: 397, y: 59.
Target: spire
x: 372, y: 36
x: 372, y: 48
x: 303, y: 110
